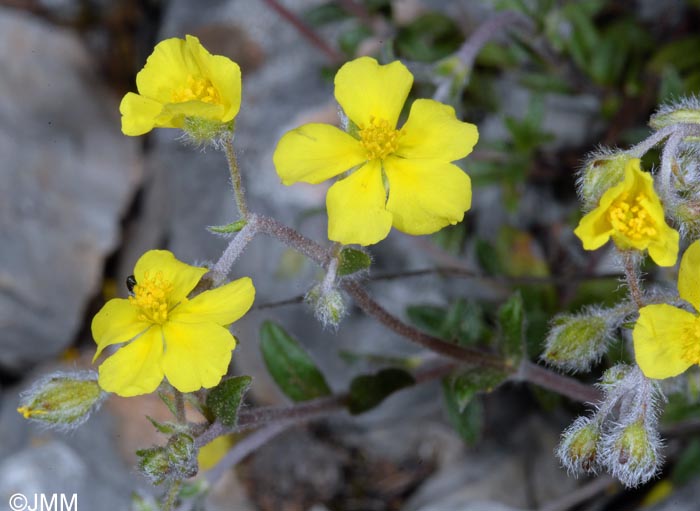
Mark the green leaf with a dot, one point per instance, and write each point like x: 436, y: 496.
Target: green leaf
x: 511, y: 319
x: 167, y: 428
x: 169, y: 402
x: 367, y: 391
x: 462, y: 322
x: 352, y: 260
x: 225, y: 399
x: 467, y: 384
x: 328, y: 12
x: 350, y: 39
x: 289, y: 365
x: 228, y: 228
x: 467, y: 421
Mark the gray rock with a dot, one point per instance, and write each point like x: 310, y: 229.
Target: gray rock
x: 66, y: 175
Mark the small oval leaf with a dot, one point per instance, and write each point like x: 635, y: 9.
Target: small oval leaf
x: 290, y: 366
x: 368, y: 390
x: 225, y: 399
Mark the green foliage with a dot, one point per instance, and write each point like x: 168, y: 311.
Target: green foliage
x: 352, y: 260
x: 688, y: 465
x: 289, y: 365
x: 367, y: 391
x: 466, y: 384
x: 467, y: 421
x: 428, y: 38
x: 511, y: 319
x: 462, y: 323
x: 225, y: 399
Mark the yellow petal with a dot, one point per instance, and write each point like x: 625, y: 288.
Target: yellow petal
x: 173, y: 114
x: 594, y: 229
x: 433, y: 131
x: 664, y: 250
x: 365, y: 89
x: 225, y: 76
x: 135, y: 368
x: 117, y: 321
x: 196, y: 355
x: 138, y: 114
x: 426, y: 195
x: 222, y: 305
x: 166, y: 68
x: 689, y: 275
x: 182, y: 276
x: 659, y: 336
x: 357, y: 207
x: 313, y: 153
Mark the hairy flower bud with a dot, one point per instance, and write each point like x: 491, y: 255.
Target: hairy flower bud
x: 578, y: 449
x: 62, y: 400
x: 631, y: 452
x: 613, y: 376
x: 601, y: 170
x: 328, y: 305
x: 685, y: 111
x: 577, y: 341
x: 176, y: 461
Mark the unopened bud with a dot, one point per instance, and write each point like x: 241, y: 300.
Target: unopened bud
x: 601, y: 171
x: 176, y: 461
x: 685, y: 111
x: 328, y: 305
x: 62, y: 400
x: 632, y: 453
x: 575, y: 342
x: 202, y: 132
x: 578, y: 449
x: 614, y: 375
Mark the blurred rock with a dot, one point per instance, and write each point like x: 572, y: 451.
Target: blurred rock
x: 66, y: 175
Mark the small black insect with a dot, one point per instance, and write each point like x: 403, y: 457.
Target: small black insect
x: 130, y: 283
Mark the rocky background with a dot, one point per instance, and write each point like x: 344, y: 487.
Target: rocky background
x: 80, y: 202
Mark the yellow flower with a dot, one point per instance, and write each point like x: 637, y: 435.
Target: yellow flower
x: 180, y: 80
x: 666, y: 338
x: 631, y: 214
x: 404, y: 176
x: 167, y: 334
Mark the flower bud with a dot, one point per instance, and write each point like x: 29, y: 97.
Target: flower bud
x: 62, y: 400
x: 685, y: 111
x: 328, y: 305
x: 578, y: 449
x: 202, y: 132
x: 575, y: 342
x: 632, y: 452
x: 176, y: 461
x: 602, y: 170
x: 614, y: 375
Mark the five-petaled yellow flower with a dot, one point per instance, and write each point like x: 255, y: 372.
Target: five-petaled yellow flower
x: 666, y: 338
x: 404, y: 177
x: 631, y: 214
x: 167, y: 334
x: 181, y: 79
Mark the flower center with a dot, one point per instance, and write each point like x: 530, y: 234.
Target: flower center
x: 631, y: 217
x: 379, y: 139
x: 151, y: 298
x: 690, y: 351
x: 197, y: 89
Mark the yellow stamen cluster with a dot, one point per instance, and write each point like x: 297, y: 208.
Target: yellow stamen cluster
x: 151, y: 298
x: 690, y: 350
x: 631, y: 217
x: 379, y: 139
x: 197, y: 89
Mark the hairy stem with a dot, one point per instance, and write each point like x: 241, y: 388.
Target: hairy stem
x: 632, y: 277
x: 171, y: 496
x: 295, y: 240
x: 559, y: 383
x: 643, y: 147
x: 238, y: 191
x: 179, y: 407
x: 235, y: 248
